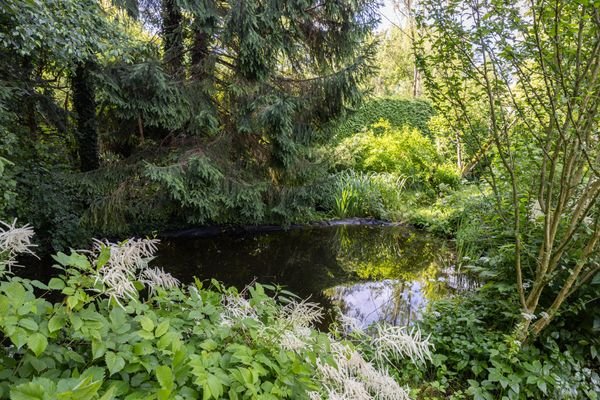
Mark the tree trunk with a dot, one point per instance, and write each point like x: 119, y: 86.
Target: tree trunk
x: 200, y: 54
x: 84, y: 103
x: 459, y: 160
x: 172, y: 37
x: 29, y: 97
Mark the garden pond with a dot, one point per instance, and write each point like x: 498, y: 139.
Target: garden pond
x: 368, y: 272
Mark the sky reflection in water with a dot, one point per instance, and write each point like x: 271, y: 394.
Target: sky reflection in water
x: 370, y: 273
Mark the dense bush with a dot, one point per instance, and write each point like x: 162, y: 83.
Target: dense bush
x: 399, y: 112
x: 404, y: 152
x: 365, y: 194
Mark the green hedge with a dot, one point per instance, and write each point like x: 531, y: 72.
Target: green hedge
x: 399, y: 112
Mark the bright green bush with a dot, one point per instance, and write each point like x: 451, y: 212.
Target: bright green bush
x: 404, y: 152
x: 365, y: 194
x: 399, y: 112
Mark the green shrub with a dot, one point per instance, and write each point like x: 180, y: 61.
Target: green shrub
x: 403, y: 152
x: 362, y: 194
x: 476, y: 358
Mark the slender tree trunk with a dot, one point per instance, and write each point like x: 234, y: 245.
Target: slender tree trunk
x: 459, y: 160
x: 84, y: 103
x: 200, y: 54
x: 172, y: 37
x: 29, y: 98
x: 416, y: 81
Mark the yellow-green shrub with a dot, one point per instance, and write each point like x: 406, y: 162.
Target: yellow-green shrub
x: 401, y: 151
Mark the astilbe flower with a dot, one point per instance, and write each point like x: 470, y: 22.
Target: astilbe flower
x: 397, y: 342
x: 156, y: 277
x: 130, y: 255
x: 236, y: 308
x: 301, y: 313
x: 350, y: 377
x: 14, y: 241
x: 292, y: 325
x: 127, y: 262
x: 354, y: 378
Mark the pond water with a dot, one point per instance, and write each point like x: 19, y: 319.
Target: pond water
x: 371, y: 273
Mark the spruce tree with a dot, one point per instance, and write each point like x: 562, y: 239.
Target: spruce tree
x: 282, y: 68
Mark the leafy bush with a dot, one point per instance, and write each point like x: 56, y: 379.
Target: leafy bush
x: 360, y: 194
x: 122, y: 329
x: 400, y: 113
x: 447, y: 213
x: 404, y: 152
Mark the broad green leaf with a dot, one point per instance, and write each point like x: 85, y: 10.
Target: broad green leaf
x: 72, y: 301
x: 56, y: 284
x: 56, y: 323
x: 215, y: 385
x: 164, y: 375
x: 19, y: 337
x: 73, y: 260
x: 114, y: 362
x: 37, y: 343
x: 38, y: 284
x: 162, y: 328
x: 147, y: 324
x: 28, y: 324
x: 98, y: 348
x: 29, y: 391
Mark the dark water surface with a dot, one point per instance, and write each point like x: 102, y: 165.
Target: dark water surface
x: 371, y: 273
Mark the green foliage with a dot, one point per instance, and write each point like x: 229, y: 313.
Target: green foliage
x: 122, y: 329
x: 207, y: 194
x: 7, y: 185
x: 403, y: 152
x: 65, y: 31
x: 399, y: 113
x: 360, y: 194
x: 476, y: 358
x: 172, y: 345
x: 396, y: 64
x: 253, y: 107
x: 493, y: 79
x: 446, y: 213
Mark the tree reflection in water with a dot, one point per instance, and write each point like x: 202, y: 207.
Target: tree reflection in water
x: 368, y: 272
x: 402, y: 270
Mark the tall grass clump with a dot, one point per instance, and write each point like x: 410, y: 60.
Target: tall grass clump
x: 366, y: 194
x: 121, y: 328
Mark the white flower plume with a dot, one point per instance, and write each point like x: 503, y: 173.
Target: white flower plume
x: 157, y: 278
x: 397, y: 343
x: 14, y: 241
